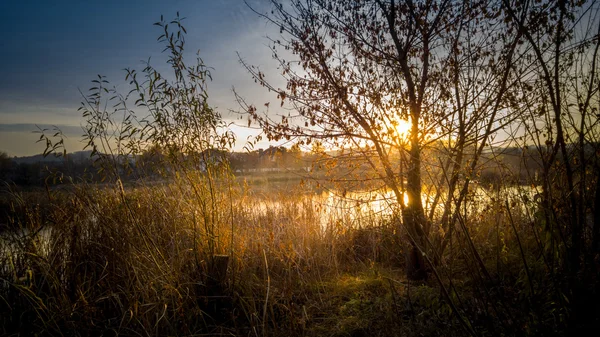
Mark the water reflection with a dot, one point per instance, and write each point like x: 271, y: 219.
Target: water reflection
x: 334, y: 209
x: 357, y: 206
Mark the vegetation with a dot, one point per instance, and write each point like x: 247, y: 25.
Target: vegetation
x: 481, y: 219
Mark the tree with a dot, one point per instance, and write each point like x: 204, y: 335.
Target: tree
x: 165, y: 118
x: 363, y: 67
x: 558, y: 109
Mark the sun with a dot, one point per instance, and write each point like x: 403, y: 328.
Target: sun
x: 402, y: 128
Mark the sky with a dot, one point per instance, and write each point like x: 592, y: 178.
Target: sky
x: 52, y: 49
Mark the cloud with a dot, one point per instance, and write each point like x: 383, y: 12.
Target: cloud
x: 68, y: 130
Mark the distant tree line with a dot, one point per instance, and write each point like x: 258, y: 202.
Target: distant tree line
x: 37, y: 170
x: 507, y: 165
x: 81, y: 166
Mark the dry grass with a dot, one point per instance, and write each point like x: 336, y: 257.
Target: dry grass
x: 141, y: 261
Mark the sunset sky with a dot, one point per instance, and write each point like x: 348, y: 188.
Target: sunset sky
x: 50, y: 49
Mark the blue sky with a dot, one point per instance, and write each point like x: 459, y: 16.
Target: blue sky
x: 50, y: 49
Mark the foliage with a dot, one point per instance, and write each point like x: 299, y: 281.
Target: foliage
x: 171, y: 113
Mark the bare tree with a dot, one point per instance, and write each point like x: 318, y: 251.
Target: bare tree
x: 359, y: 68
x: 559, y: 115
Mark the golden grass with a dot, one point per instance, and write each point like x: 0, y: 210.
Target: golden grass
x: 141, y: 261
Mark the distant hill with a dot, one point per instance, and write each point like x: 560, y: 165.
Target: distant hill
x: 78, y: 156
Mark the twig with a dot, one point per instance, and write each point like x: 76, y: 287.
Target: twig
x: 512, y: 223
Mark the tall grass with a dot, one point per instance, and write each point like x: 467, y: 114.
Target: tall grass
x: 141, y: 261
x: 138, y: 260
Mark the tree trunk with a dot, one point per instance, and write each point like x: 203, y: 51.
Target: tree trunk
x: 596, y: 228
x: 414, y: 215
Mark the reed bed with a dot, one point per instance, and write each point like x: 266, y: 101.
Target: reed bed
x: 219, y: 257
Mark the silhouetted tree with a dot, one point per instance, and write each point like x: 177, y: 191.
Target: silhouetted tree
x: 362, y: 67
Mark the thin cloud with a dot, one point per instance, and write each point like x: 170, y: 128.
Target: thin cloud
x: 68, y: 130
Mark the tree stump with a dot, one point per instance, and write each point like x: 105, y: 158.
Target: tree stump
x: 217, y: 272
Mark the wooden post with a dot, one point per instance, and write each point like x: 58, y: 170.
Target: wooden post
x: 217, y: 275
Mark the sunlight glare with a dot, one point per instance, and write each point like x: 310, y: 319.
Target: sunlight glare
x: 402, y: 128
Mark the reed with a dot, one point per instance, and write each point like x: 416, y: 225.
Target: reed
x: 141, y: 261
